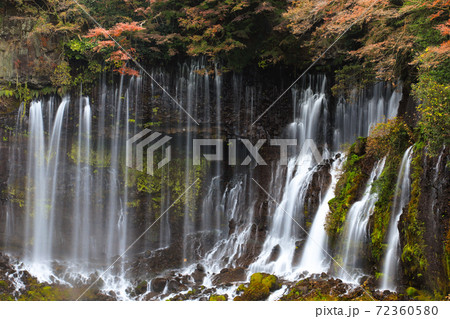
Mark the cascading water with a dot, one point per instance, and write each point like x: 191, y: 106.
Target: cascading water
x: 402, y: 194
x: 239, y: 208
x: 355, y: 230
x: 14, y: 178
x: 66, y: 192
x: 279, y: 248
x: 41, y: 198
x: 366, y: 108
x: 82, y: 208
x: 86, y: 172
x: 315, y: 258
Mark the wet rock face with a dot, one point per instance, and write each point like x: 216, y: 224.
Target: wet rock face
x: 316, y: 190
x: 198, y: 276
x: 154, y: 262
x: 434, y: 212
x: 158, y: 284
x: 275, y: 253
x: 229, y: 276
x: 26, y: 56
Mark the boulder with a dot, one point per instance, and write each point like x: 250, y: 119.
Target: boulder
x: 229, y: 275
x: 158, y: 285
x: 198, y: 276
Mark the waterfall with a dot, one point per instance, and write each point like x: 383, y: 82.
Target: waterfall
x: 189, y: 79
x: 315, y: 258
x: 114, y: 202
x: 285, y: 231
x: 355, y: 233
x: 239, y: 209
x: 76, y: 193
x: 82, y: 212
x: 363, y: 110
x: 82, y: 207
x: 35, y: 198
x: 42, y: 172
x: 15, y: 175
x: 402, y: 194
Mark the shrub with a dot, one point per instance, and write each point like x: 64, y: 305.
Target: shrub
x: 434, y: 112
x: 394, y: 136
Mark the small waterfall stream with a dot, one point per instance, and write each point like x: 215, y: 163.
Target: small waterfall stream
x: 355, y: 234
x: 356, y: 116
x: 43, y: 163
x: 314, y: 257
x: 402, y: 194
x: 82, y: 208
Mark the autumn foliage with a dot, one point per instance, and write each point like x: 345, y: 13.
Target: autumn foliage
x: 116, y: 43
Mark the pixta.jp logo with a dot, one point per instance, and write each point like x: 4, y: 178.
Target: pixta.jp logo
x: 151, y: 141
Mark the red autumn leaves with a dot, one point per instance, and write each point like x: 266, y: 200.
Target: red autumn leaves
x: 118, y: 41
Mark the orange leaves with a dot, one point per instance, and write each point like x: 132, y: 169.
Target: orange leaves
x: 213, y: 31
x: 444, y: 28
x: 127, y: 71
x: 196, y: 19
x: 97, y: 32
x: 119, y: 50
x: 120, y: 28
x: 118, y: 55
x: 116, y: 31
x: 104, y: 44
x: 384, y: 33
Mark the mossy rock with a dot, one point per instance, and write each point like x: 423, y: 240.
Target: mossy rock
x: 141, y: 288
x: 260, y: 286
x: 241, y: 288
x: 256, y: 278
x: 256, y: 291
x: 412, y: 292
x: 3, y: 284
x: 270, y: 281
x: 218, y: 298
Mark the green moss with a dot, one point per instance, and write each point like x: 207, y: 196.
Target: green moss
x: 217, y: 298
x: 3, y: 284
x: 412, y: 292
x: 346, y: 189
x: 40, y: 292
x: 447, y: 257
x: 241, y: 288
x: 271, y: 282
x: 95, y: 158
x: 6, y: 297
x: 259, y: 287
x: 256, y: 291
x: 385, y: 187
x: 256, y: 278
